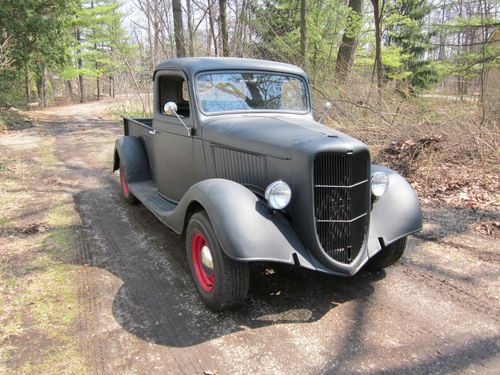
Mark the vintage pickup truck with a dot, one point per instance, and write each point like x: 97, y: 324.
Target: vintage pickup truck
x: 234, y: 159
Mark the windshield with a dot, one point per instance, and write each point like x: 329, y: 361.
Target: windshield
x: 247, y: 91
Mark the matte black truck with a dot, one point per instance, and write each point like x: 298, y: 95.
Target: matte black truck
x: 234, y: 159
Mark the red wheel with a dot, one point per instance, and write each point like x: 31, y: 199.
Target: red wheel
x: 202, y: 262
x: 127, y: 194
x: 122, y: 179
x: 220, y: 281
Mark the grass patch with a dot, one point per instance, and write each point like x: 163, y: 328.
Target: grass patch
x: 62, y: 216
x: 12, y: 120
x: 60, y: 245
x: 39, y: 303
x: 41, y: 309
x: 47, y: 153
x: 4, y: 221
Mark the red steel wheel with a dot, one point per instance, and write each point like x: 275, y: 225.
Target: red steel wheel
x: 221, y: 282
x: 122, y: 179
x: 202, y: 262
x: 127, y: 194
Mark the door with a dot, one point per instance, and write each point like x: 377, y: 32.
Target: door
x: 173, y: 147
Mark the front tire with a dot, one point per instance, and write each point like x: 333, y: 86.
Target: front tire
x: 387, y: 256
x: 221, y: 282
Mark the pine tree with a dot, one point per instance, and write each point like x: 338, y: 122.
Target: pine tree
x: 406, y: 30
x: 97, y: 32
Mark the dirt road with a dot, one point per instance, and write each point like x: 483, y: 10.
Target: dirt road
x: 437, y: 311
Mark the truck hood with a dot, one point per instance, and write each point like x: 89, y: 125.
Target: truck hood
x: 275, y: 136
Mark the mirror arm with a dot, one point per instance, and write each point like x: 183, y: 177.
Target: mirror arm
x: 189, y: 130
x: 324, y: 115
x: 328, y: 108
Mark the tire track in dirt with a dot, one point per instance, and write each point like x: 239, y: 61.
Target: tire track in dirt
x: 88, y: 308
x: 131, y: 262
x: 456, y: 293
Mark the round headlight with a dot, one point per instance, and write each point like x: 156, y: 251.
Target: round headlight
x: 379, y: 182
x: 278, y: 195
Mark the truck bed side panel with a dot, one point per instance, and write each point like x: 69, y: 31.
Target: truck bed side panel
x: 141, y: 128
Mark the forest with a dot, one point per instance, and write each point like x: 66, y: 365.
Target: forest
x: 422, y: 74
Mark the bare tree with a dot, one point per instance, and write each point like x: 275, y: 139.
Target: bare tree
x: 212, y: 26
x: 190, y: 27
x: 223, y: 27
x: 345, y: 55
x: 6, y: 60
x: 378, y: 9
x: 178, y: 28
x: 303, y: 32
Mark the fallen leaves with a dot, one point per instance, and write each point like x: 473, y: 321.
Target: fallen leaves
x: 489, y: 228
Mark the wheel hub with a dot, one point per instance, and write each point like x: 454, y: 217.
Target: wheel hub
x: 206, y: 259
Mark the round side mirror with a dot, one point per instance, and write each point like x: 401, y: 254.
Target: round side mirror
x: 170, y: 108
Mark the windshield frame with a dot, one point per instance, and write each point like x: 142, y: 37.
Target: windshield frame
x: 303, y: 80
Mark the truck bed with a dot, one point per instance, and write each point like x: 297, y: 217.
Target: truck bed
x: 141, y: 128
x: 131, y: 126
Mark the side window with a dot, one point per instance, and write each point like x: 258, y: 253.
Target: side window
x: 174, y: 89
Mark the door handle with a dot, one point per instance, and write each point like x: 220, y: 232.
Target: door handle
x: 152, y: 132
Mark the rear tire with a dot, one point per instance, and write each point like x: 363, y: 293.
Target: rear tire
x: 225, y: 283
x: 387, y: 256
x: 126, y: 193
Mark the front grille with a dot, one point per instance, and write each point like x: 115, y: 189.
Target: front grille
x: 341, y: 202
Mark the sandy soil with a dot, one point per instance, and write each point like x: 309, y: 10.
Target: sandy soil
x: 436, y: 311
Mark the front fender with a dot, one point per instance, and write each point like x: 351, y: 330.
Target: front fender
x: 395, y: 214
x: 246, y: 229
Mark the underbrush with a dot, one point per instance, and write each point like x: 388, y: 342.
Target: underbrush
x: 12, y: 120
x: 133, y: 106
x: 447, y: 148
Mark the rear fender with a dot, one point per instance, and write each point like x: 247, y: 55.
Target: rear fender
x: 395, y: 214
x: 245, y: 227
x: 131, y: 153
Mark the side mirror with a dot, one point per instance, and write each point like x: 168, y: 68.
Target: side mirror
x: 170, y: 108
x: 327, y: 107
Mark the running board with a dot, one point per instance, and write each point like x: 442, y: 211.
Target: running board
x: 147, y: 193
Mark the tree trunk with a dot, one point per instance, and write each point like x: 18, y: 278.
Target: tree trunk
x: 212, y: 28
x: 111, y: 87
x: 70, y: 89
x: 42, y: 87
x: 178, y: 28
x: 223, y: 27
x: 80, y: 65
x: 442, y: 35
x: 27, y: 83
x: 190, y: 27
x: 156, y: 20
x: 345, y: 55
x: 303, y: 32
x: 377, y: 15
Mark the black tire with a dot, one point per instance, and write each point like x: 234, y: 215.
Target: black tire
x: 126, y: 193
x: 387, y: 256
x: 227, y: 284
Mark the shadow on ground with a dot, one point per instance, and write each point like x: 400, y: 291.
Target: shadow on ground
x: 157, y: 301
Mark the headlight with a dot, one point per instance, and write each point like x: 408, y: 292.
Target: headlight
x: 278, y: 195
x: 379, y: 182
